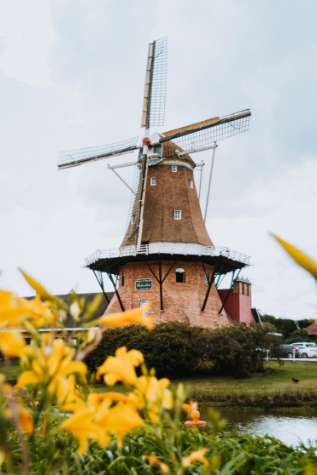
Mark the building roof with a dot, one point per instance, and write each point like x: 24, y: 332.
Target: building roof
x: 89, y: 296
x: 312, y: 329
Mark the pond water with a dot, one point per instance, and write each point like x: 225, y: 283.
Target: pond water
x: 292, y: 426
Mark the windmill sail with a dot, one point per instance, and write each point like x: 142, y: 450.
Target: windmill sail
x: 74, y: 158
x: 155, y: 89
x: 202, y: 135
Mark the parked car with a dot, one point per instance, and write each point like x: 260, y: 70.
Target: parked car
x: 306, y: 349
x: 289, y: 351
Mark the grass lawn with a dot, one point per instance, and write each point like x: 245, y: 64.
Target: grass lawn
x: 272, y: 388
x: 275, y: 386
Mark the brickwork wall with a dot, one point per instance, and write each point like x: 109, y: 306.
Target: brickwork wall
x: 172, y: 191
x: 182, y: 301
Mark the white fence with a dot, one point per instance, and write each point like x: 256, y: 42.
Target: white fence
x: 168, y: 248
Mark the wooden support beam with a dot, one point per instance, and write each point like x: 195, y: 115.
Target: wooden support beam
x: 234, y: 277
x: 210, y: 283
x: 161, y: 279
x: 101, y: 285
x: 116, y: 292
x: 161, y: 287
x: 168, y: 271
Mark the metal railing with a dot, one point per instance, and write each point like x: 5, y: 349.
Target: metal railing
x: 168, y: 248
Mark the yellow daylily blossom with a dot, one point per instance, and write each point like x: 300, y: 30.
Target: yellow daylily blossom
x: 12, y: 344
x: 14, y: 409
x: 306, y: 262
x: 52, y: 365
x: 14, y: 311
x: 120, y: 420
x: 121, y: 367
x: 25, y: 419
x: 190, y: 407
x: 83, y: 427
x: 125, y: 319
x: 94, y: 399
x: 194, y: 457
x: 67, y: 395
x: 2, y: 457
x: 154, y: 395
x: 155, y: 462
x: 97, y: 420
x: 41, y: 291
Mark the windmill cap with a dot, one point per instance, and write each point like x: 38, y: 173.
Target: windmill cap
x: 172, y: 151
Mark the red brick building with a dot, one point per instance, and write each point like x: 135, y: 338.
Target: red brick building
x: 176, y: 268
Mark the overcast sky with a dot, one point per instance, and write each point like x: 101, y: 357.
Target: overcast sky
x: 72, y: 75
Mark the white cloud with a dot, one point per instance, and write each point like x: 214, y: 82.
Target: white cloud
x: 26, y: 37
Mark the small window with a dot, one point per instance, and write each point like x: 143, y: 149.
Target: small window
x: 174, y: 168
x: 153, y: 181
x: 191, y: 184
x: 180, y: 275
x: 178, y: 214
x: 143, y: 284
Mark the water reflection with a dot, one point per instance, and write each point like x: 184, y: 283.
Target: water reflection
x: 290, y: 430
x: 292, y: 426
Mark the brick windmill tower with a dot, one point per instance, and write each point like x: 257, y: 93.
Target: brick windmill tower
x: 166, y: 257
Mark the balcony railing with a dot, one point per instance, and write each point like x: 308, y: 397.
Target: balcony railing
x: 168, y: 248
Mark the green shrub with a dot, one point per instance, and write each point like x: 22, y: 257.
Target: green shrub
x: 177, y: 350
x: 238, y: 350
x: 173, y: 349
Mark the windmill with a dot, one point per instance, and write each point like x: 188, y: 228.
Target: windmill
x: 163, y: 244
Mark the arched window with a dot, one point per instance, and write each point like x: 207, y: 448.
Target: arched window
x: 180, y: 275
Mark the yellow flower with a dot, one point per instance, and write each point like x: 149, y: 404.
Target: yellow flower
x: 25, y: 419
x: 194, y: 457
x: 94, y: 399
x: 67, y: 395
x: 190, y: 407
x: 14, y: 311
x: 82, y: 425
x: 155, y: 462
x: 2, y: 457
x: 22, y: 415
x: 122, y: 419
x: 124, y: 319
x: 298, y: 256
x: 121, y: 367
x: 51, y: 364
x: 97, y: 420
x: 154, y: 395
x: 12, y: 344
x: 12, y: 314
x: 41, y: 291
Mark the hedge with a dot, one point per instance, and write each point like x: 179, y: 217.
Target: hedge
x: 178, y: 350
